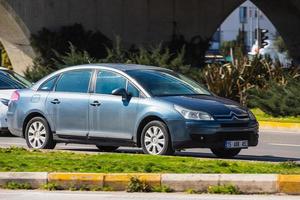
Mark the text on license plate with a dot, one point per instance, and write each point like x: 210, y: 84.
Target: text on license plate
x: 236, y: 144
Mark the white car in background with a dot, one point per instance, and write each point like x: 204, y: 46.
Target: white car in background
x: 9, y: 82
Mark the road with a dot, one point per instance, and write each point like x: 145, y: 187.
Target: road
x: 67, y: 195
x: 273, y: 146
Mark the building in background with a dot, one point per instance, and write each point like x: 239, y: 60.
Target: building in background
x: 245, y: 18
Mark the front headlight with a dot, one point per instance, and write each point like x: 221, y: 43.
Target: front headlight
x: 251, y: 115
x: 192, y: 114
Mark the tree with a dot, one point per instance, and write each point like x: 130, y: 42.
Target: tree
x: 281, y: 46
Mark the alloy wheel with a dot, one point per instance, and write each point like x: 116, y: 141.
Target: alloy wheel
x: 37, y: 134
x: 154, y: 140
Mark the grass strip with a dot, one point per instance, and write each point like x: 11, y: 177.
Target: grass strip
x: 22, y: 160
x: 262, y: 116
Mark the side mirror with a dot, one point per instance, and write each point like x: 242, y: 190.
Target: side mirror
x: 121, y: 92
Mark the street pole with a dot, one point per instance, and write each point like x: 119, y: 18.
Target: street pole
x: 257, y: 29
x: 251, y: 27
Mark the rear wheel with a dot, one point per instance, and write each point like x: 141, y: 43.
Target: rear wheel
x: 107, y: 148
x: 156, y: 140
x: 38, y: 134
x: 225, y: 153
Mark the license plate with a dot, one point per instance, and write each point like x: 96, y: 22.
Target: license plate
x: 236, y: 144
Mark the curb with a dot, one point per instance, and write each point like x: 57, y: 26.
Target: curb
x: 35, y: 179
x: 295, y: 127
x: 289, y: 184
x: 246, y: 183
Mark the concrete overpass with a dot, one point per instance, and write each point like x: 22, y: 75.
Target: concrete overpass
x: 136, y: 21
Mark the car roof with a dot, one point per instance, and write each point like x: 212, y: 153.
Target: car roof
x: 117, y: 67
x: 121, y: 67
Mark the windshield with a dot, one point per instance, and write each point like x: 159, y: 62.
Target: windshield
x: 167, y: 83
x: 12, y: 80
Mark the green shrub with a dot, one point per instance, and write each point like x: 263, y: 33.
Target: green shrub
x: 290, y: 164
x: 12, y: 185
x: 52, y: 46
x: 191, y: 191
x: 107, y: 188
x: 234, y: 80
x: 163, y: 188
x: 277, y: 100
x: 52, y: 186
x: 136, y: 185
x: 223, y: 189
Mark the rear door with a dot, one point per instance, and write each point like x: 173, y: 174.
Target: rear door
x: 68, y: 103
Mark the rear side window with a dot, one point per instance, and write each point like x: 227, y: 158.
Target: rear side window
x: 48, y: 85
x: 74, y: 81
x: 108, y: 82
x: 6, y: 83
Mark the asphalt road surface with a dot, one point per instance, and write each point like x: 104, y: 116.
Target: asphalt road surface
x: 38, y: 195
x: 273, y: 146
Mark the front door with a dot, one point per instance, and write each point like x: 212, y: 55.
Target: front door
x: 68, y: 104
x: 110, y: 116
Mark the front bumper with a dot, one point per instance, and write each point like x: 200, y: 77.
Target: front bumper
x: 214, y: 134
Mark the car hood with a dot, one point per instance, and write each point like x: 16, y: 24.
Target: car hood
x: 6, y: 94
x: 211, y: 104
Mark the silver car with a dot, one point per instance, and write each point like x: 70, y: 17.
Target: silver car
x: 9, y: 82
x: 112, y: 105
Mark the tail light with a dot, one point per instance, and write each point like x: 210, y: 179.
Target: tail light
x: 15, y: 96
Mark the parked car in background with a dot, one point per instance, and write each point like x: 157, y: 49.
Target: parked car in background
x: 9, y: 82
x: 112, y: 105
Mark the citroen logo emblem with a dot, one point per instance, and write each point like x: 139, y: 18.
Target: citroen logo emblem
x: 233, y: 115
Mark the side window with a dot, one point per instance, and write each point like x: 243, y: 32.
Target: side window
x: 108, y: 82
x: 74, y: 81
x: 132, y: 90
x: 7, y: 83
x: 48, y: 85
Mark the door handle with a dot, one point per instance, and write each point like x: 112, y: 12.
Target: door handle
x: 55, y: 101
x: 95, y: 103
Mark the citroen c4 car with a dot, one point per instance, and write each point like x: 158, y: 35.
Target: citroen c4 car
x: 9, y: 82
x: 113, y: 105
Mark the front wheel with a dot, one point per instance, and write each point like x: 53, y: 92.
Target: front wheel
x: 38, y: 134
x: 225, y: 153
x: 156, y: 140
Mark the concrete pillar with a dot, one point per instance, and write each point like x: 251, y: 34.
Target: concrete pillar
x: 15, y: 38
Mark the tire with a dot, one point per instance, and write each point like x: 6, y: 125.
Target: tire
x: 38, y: 134
x: 107, y: 148
x: 225, y: 153
x: 156, y: 140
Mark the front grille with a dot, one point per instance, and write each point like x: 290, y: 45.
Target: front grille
x: 234, y: 125
x: 232, y: 116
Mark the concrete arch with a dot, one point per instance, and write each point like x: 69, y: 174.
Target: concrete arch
x: 15, y: 38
